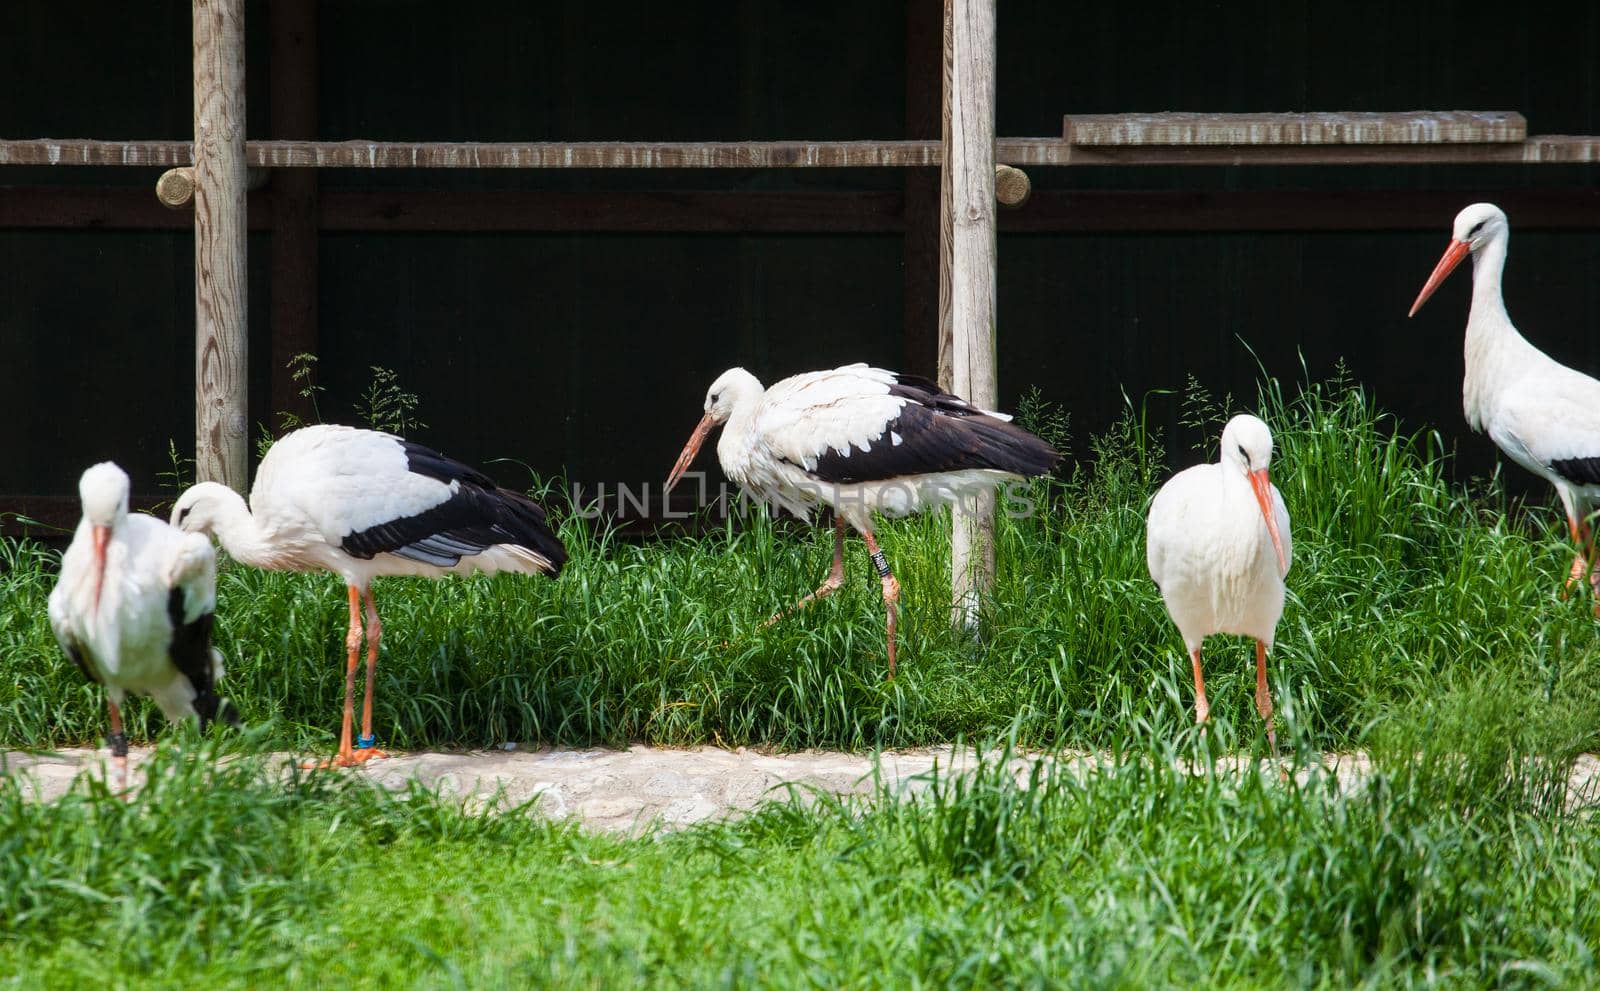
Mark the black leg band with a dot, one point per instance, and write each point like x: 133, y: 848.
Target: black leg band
x: 119, y: 743
x: 881, y: 563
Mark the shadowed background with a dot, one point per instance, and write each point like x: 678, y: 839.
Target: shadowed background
x: 588, y: 353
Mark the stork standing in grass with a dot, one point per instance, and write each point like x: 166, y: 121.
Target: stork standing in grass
x: 1542, y: 414
x: 1217, y: 543
x: 362, y: 504
x: 860, y: 440
x: 133, y: 610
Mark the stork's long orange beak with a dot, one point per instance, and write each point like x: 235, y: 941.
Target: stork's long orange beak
x: 1447, y: 264
x: 101, y: 536
x: 690, y: 450
x: 1263, y: 486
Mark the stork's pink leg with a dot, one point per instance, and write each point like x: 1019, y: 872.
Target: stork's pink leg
x: 829, y: 585
x: 1264, y: 696
x: 1202, y: 708
x: 367, y: 744
x: 891, y: 592
x: 118, y: 741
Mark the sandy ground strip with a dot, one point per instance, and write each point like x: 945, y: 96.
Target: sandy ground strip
x: 645, y: 788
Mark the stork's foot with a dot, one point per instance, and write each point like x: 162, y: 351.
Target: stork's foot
x: 345, y: 758
x: 1580, y: 567
x: 829, y: 586
x: 119, y: 765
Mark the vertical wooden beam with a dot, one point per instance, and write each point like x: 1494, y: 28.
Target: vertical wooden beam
x: 220, y: 274
x: 969, y: 210
x: 293, y: 68
x: 920, y: 252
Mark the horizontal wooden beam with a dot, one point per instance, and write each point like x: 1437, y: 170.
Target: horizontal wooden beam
x: 1409, y: 127
x: 490, y: 155
x: 1542, y: 150
x: 1547, y: 149
x: 752, y: 212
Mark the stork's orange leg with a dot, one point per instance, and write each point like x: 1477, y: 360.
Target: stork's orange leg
x: 1264, y: 697
x: 891, y: 594
x: 1583, y: 563
x: 1202, y: 708
x: 829, y: 585
x: 346, y: 756
x: 1580, y: 565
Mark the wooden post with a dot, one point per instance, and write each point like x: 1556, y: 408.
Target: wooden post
x: 220, y: 273
x: 292, y: 70
x: 969, y: 230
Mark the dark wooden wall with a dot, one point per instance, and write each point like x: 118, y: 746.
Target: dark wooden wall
x: 589, y: 353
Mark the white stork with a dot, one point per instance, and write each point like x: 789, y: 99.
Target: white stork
x: 1542, y: 414
x: 363, y: 504
x: 860, y: 440
x: 133, y: 610
x: 1217, y: 544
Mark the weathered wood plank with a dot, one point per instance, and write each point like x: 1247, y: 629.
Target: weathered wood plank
x: 1550, y: 149
x: 1537, y: 150
x: 488, y: 155
x: 220, y: 282
x: 970, y: 212
x: 1407, y: 127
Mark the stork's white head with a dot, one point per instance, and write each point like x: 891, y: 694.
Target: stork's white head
x: 1246, y: 444
x: 1247, y: 450
x: 1479, y: 224
x: 1476, y: 227
x: 103, y: 489
x: 732, y: 389
x: 202, y: 507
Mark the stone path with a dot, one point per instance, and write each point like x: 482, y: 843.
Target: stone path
x: 645, y: 787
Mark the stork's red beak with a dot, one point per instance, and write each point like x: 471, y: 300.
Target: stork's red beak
x: 1263, y: 486
x: 1452, y: 257
x: 690, y: 450
x: 101, y: 536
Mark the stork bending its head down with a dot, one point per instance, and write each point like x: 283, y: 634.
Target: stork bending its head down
x: 861, y: 440
x: 133, y: 609
x: 1542, y: 414
x: 362, y: 504
x: 1217, y: 544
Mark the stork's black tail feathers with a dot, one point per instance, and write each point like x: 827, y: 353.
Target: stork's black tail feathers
x: 969, y: 437
x: 526, y: 521
x: 1005, y: 446
x: 478, y: 515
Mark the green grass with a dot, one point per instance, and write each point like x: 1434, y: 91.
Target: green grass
x: 1456, y: 867
x: 1423, y: 627
x: 1399, y: 579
